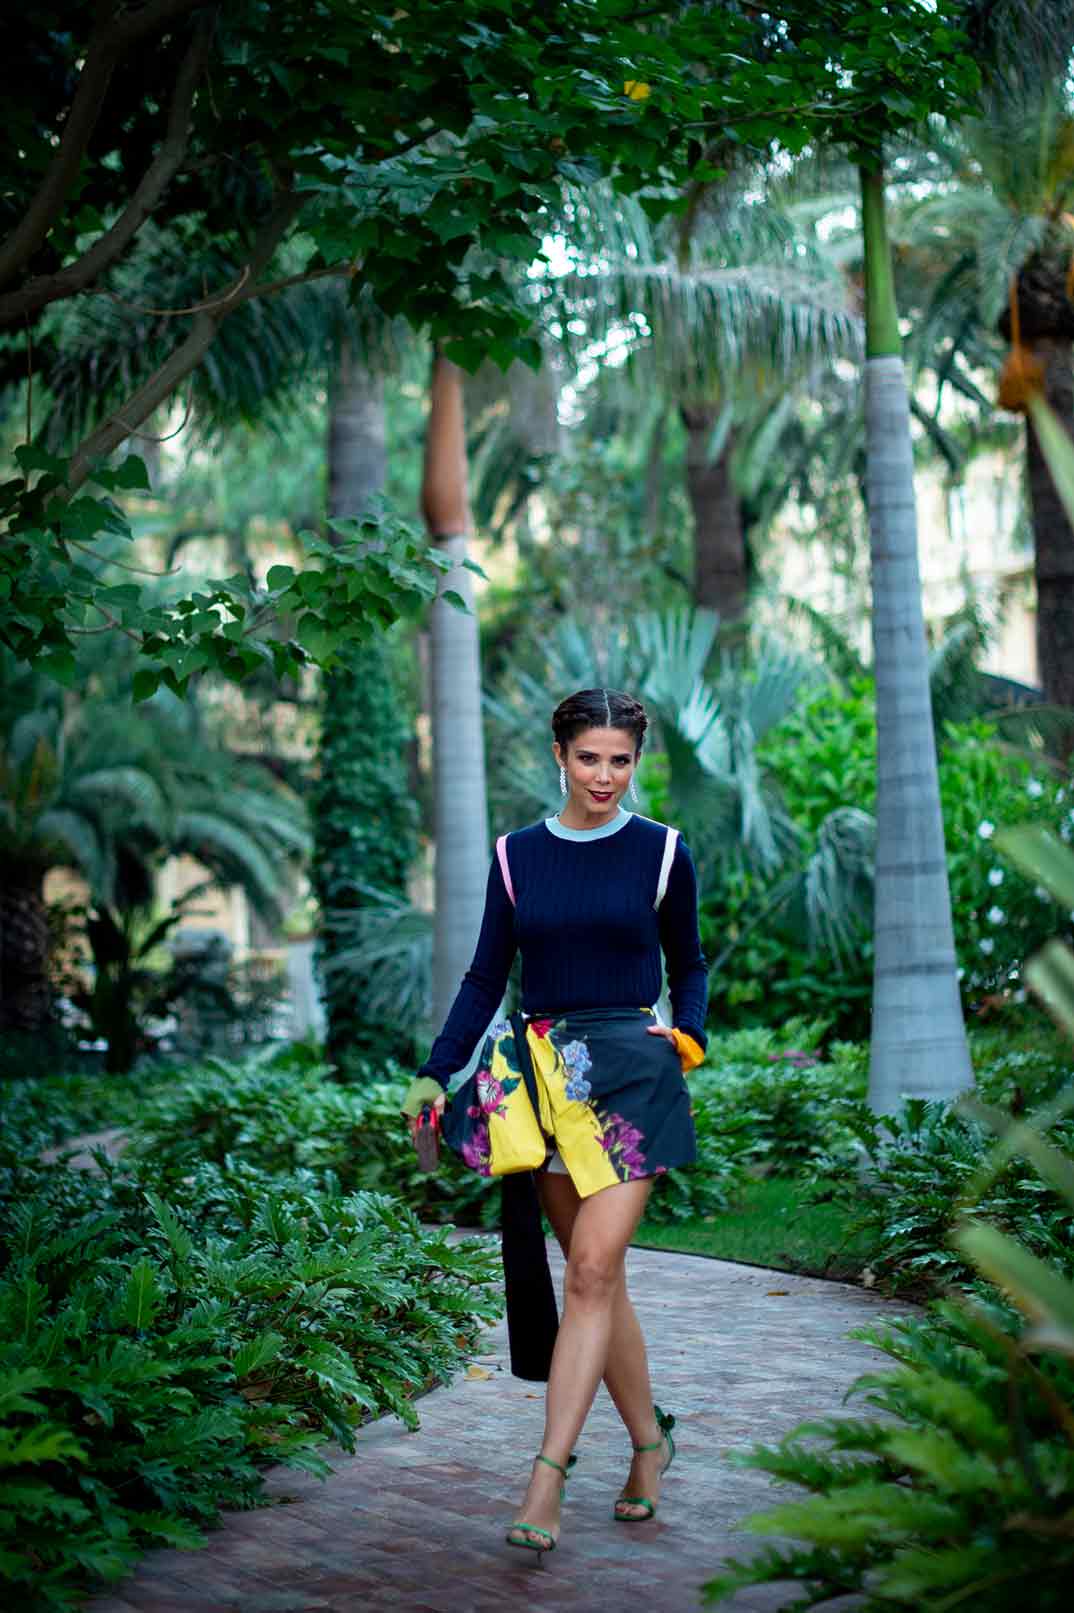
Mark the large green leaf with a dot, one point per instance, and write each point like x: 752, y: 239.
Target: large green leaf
x: 1040, y: 1291
x: 1025, y: 1138
x: 1051, y: 976
x: 1042, y: 856
x: 1057, y: 449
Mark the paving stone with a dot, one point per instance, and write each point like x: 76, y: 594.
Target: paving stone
x: 415, y: 1522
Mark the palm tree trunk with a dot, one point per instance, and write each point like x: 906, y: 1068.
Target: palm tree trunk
x: 719, y: 544
x: 1053, y: 539
x: 919, y: 1046
x: 25, y: 994
x: 357, y: 455
x: 460, y: 805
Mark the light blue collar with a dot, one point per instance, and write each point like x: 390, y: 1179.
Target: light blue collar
x: 606, y: 829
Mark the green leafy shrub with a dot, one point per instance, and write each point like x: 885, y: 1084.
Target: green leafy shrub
x: 37, y: 1111
x: 964, y: 1494
x: 791, y: 1105
x: 283, y: 1112
x: 959, y: 1496
x: 1001, y: 913
x: 157, y: 1350
x: 823, y: 757
x: 921, y: 1165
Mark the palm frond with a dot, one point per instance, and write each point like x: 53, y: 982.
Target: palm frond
x: 27, y: 731
x: 233, y: 851
x: 777, y: 674
x: 100, y: 347
x: 275, y: 817
x: 840, y: 657
x: 837, y: 883
x: 80, y: 845
x: 582, y: 655
x: 387, y: 944
x: 675, y: 647
x: 130, y: 788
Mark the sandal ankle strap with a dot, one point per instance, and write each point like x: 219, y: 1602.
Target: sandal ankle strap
x: 665, y: 1422
x: 548, y: 1462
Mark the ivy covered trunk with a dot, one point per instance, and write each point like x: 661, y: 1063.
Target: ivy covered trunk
x: 365, y: 818
x: 918, y: 1045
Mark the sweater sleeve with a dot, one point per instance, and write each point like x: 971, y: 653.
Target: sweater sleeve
x: 688, y: 975
x: 483, y: 984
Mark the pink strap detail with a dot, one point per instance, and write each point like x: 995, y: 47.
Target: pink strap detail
x: 501, y: 853
x: 665, y: 867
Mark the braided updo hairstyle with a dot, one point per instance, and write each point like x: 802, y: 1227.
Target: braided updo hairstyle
x: 599, y: 708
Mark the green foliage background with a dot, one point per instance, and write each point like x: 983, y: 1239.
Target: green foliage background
x: 366, y: 829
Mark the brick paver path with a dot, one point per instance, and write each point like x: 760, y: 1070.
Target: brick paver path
x: 415, y: 1522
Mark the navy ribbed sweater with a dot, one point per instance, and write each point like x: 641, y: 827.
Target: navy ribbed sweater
x: 587, y: 931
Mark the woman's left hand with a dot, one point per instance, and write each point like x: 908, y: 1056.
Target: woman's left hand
x: 690, y: 1054
x: 661, y: 1030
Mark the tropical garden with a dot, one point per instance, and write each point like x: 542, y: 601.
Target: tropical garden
x: 755, y: 328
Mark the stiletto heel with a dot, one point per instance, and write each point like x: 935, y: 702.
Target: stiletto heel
x: 665, y: 1422
x: 548, y: 1540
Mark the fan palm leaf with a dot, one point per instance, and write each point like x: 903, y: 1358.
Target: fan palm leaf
x: 388, y: 945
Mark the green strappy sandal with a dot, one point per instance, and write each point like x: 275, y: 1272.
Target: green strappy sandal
x: 548, y: 1540
x: 665, y: 1423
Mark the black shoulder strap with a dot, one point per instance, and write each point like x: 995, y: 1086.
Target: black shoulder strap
x: 525, y: 1063
x: 532, y: 1315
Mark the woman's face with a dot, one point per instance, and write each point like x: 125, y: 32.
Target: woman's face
x: 600, y: 763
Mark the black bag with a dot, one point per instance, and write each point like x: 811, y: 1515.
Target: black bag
x: 532, y: 1314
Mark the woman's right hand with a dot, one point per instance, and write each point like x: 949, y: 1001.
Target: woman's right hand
x: 437, y: 1106
x: 421, y: 1092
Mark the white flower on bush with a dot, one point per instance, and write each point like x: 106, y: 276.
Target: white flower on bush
x: 1019, y: 996
x: 960, y: 973
x: 995, y: 915
x: 1041, y: 894
x: 1034, y: 788
x: 987, y: 946
x: 995, y: 876
x: 986, y: 830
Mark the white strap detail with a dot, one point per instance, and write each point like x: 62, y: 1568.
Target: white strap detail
x: 501, y: 853
x: 665, y: 867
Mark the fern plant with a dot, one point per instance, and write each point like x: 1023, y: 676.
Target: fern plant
x: 171, y: 1327
x: 962, y: 1494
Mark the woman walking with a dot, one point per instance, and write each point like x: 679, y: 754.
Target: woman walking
x: 590, y: 897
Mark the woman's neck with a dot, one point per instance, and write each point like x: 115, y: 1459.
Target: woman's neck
x: 574, y: 816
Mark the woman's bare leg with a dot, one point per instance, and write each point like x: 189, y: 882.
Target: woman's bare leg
x: 595, y: 1305
x: 626, y: 1372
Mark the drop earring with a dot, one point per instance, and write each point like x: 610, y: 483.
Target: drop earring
x: 563, y: 781
x: 634, y: 789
